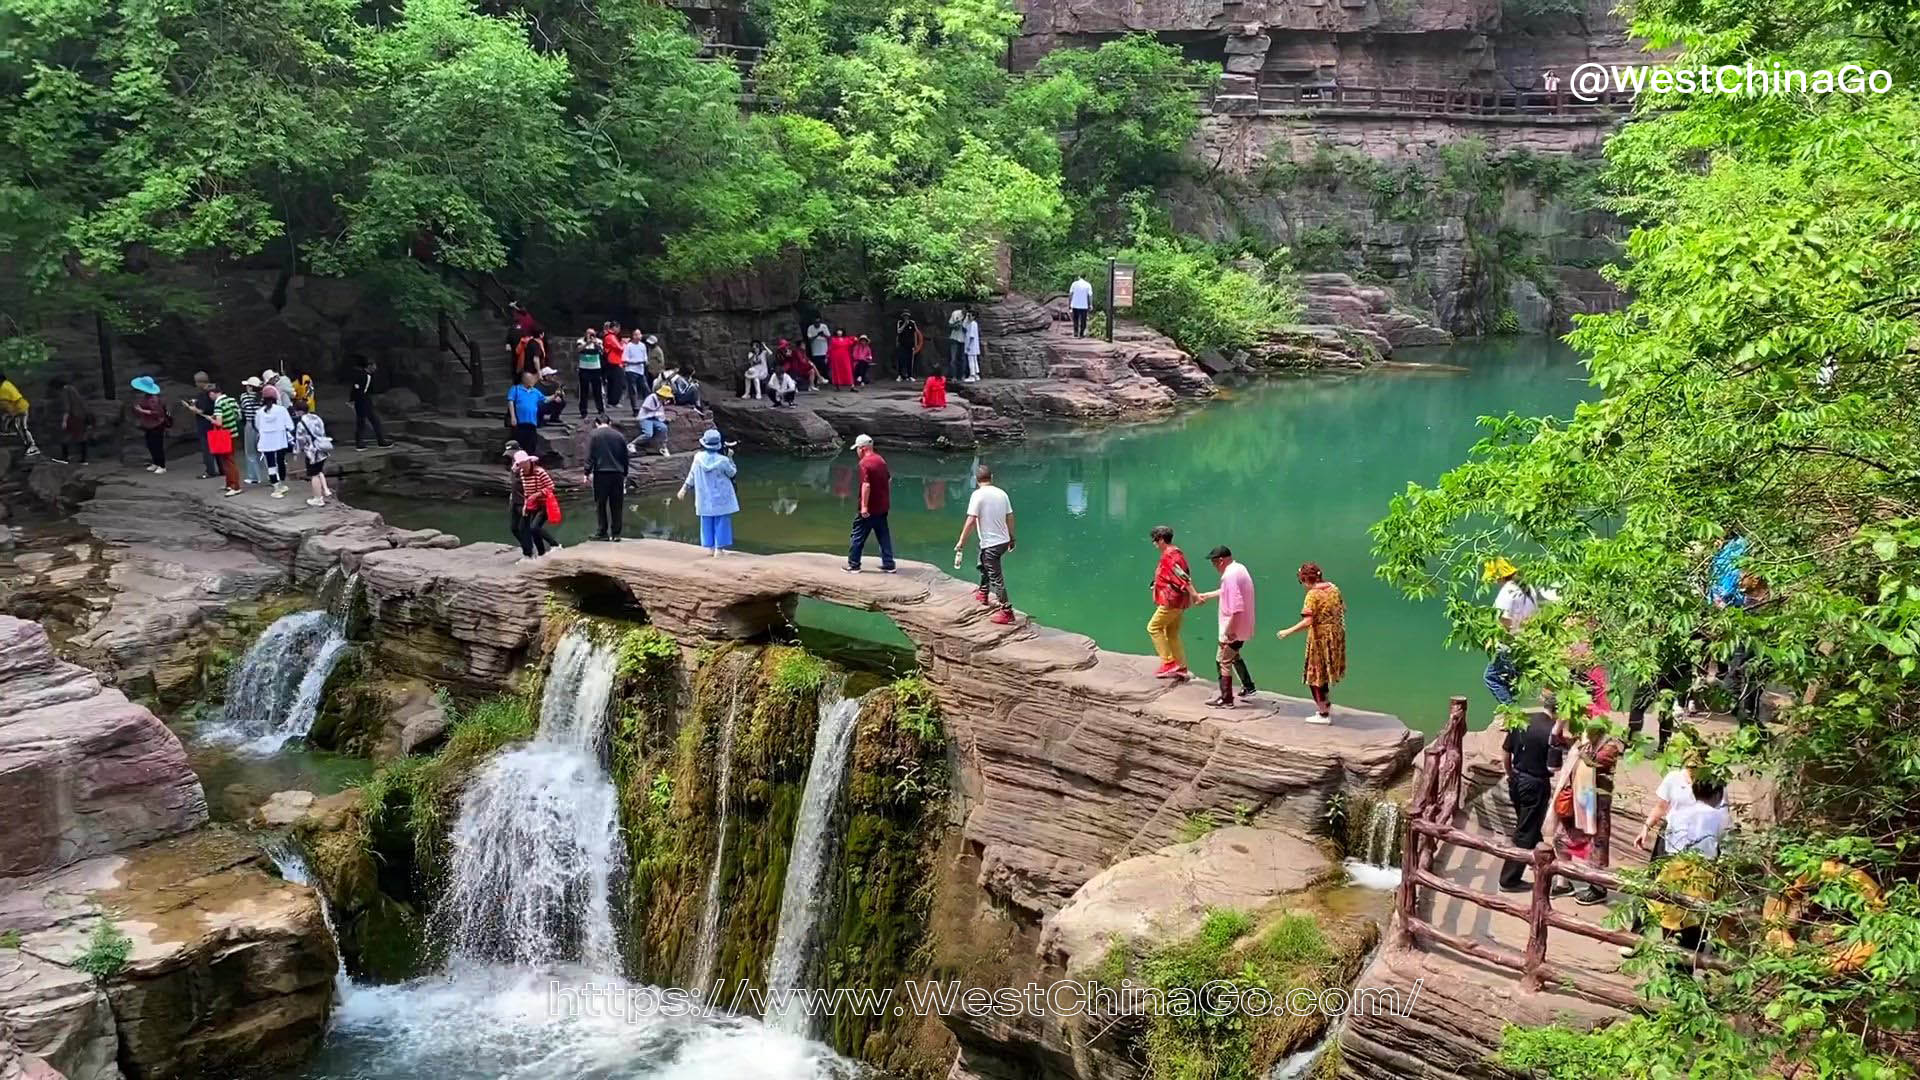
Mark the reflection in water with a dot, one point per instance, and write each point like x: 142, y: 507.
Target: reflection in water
x: 1282, y: 472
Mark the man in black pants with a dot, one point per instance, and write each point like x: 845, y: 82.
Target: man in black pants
x: 607, y: 472
x: 1530, y: 786
x: 363, y: 414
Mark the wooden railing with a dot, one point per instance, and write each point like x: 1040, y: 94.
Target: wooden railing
x: 1429, y: 823
x: 1444, y: 101
x: 464, y: 349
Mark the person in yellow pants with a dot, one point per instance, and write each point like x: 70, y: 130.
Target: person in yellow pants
x: 1172, y: 595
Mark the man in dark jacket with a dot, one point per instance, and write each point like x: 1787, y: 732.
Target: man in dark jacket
x: 607, y: 471
x: 1530, y: 787
x: 363, y: 415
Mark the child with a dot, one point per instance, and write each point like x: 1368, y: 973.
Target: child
x: 933, y: 394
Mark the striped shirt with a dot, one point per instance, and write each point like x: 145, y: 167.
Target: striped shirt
x: 249, y: 404
x: 539, y: 484
x: 227, y: 411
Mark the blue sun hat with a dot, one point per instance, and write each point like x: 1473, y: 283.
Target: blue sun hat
x: 145, y: 385
x: 711, y: 440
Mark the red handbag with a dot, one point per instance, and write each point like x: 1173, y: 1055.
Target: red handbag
x: 553, y: 509
x: 219, y: 441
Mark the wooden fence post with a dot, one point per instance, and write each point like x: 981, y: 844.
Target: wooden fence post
x: 1536, y: 954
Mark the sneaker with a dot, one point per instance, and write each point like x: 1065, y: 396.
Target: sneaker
x: 613, y: 539
x: 279, y: 492
x: 209, y: 476
x: 1166, y: 670
x: 1180, y: 675
x: 1004, y: 617
x: 158, y: 469
x: 664, y: 452
x: 316, y: 501
x: 150, y: 468
x: 250, y: 483
x: 1562, y: 887
x: 230, y: 492
x: 1518, y: 886
x: 598, y: 536
x: 1319, y: 718
x: 1218, y: 702
x: 979, y: 596
x: 851, y: 569
x: 889, y: 569
x: 1590, y: 896
x: 1248, y: 692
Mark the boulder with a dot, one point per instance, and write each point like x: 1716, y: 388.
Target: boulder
x: 83, y: 771
x: 1166, y: 894
x: 229, y: 969
x: 758, y: 424
x: 55, y: 1016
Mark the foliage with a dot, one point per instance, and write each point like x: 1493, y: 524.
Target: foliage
x: 798, y: 673
x: 646, y: 651
x: 416, y: 795
x: 918, y: 713
x: 1761, y: 384
x: 1196, y: 825
x: 10, y: 939
x: 1201, y: 302
x: 107, y: 951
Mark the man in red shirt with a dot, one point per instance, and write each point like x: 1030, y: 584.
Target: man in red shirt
x: 1172, y: 595
x: 614, y: 359
x: 876, y: 498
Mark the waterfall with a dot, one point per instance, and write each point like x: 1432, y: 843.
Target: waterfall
x: 274, y: 692
x: 292, y: 864
x: 341, y: 602
x: 536, y: 847
x: 800, y: 897
x: 1373, y: 860
x: 709, y: 954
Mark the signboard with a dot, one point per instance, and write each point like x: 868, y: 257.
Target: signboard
x: 1123, y: 284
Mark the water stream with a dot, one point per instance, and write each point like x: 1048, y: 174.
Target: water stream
x: 709, y: 954
x: 293, y: 866
x: 536, y: 847
x: 274, y: 692
x: 802, y: 895
x: 1375, y: 863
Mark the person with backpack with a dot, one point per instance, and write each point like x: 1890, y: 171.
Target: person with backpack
x: 311, y: 441
x: 364, y: 415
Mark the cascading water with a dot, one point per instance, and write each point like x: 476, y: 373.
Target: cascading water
x: 292, y: 863
x: 1375, y: 863
x: 800, y: 897
x: 709, y: 954
x: 536, y: 848
x: 274, y: 692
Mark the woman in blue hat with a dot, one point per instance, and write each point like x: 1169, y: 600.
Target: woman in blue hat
x: 151, y: 417
x: 711, y: 479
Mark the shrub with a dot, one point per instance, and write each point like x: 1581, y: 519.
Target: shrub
x: 107, y: 951
x: 1201, y: 301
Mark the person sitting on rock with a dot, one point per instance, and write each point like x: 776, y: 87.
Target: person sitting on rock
x: 933, y: 394
x: 781, y: 389
x: 556, y: 404
x: 653, y: 421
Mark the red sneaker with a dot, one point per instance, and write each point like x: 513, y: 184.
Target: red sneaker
x: 1180, y: 675
x: 1165, y: 671
x: 979, y: 596
x: 1004, y: 617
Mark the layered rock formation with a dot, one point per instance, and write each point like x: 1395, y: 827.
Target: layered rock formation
x: 140, y: 941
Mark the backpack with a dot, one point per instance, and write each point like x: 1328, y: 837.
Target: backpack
x: 318, y: 446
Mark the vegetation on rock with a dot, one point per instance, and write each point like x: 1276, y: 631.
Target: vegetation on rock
x: 108, y: 948
x: 1761, y: 384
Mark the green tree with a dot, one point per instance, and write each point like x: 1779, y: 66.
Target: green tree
x: 1762, y: 383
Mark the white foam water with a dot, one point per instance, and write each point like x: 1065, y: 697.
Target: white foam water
x: 801, y: 896
x: 504, y: 1023
x: 1368, y: 876
x: 536, y: 847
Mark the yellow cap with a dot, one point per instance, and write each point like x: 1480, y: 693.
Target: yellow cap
x: 1497, y: 568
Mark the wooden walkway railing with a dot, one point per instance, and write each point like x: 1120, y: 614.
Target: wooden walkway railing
x: 1429, y: 824
x: 1444, y: 101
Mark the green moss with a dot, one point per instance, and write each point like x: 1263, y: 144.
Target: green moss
x: 10, y: 939
x: 798, y: 673
x: 1197, y: 825
x: 897, y: 793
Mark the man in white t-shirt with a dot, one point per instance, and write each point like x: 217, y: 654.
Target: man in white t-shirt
x: 1516, y: 602
x: 1080, y: 302
x: 1672, y: 797
x: 990, y: 515
x: 818, y: 333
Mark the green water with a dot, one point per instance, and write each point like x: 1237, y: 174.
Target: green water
x: 1282, y: 472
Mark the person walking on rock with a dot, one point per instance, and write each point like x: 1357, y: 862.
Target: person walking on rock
x: 1529, y: 787
x: 537, y: 506
x: 76, y: 420
x: 876, y: 498
x: 311, y: 442
x: 907, y: 343
x: 1080, y: 303
x: 276, y: 435
x: 523, y: 411
x: 1172, y: 594
x: 1324, y: 617
x: 990, y: 517
x: 151, y: 417
x: 607, y: 472
x: 364, y: 416
x: 250, y: 468
x: 588, y: 353
x: 1236, y: 624
x: 714, y: 500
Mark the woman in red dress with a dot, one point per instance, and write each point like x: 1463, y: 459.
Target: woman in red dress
x: 840, y: 360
